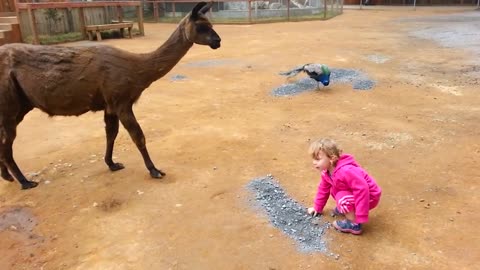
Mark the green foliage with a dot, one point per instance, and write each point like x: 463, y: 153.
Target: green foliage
x: 55, y: 39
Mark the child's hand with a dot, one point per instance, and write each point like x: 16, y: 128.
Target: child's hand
x: 312, y: 212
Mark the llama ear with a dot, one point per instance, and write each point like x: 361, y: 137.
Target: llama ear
x: 197, y: 9
x: 206, y: 8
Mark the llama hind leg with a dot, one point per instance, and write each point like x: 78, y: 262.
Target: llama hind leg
x: 5, y: 174
x: 6, y: 156
x: 111, y: 128
x: 130, y: 123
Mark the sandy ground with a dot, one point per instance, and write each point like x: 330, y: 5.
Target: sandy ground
x: 417, y: 132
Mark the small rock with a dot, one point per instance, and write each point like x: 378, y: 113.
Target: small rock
x: 451, y: 219
x: 422, y: 200
x: 95, y: 204
x: 139, y: 192
x: 214, y: 168
x: 178, y: 205
x: 47, y: 182
x: 13, y: 228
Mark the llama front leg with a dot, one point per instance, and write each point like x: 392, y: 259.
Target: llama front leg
x: 130, y: 123
x: 5, y: 174
x: 6, y: 156
x: 111, y: 128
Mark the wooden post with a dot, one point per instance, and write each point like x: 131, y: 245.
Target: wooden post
x: 120, y: 13
x: 173, y: 10
x: 155, y: 11
x: 249, y: 6
x: 288, y: 11
x: 99, y: 36
x: 81, y: 15
x: 31, y: 17
x: 325, y: 9
x: 140, y: 20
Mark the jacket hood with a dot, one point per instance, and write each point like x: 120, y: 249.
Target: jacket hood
x: 344, y: 160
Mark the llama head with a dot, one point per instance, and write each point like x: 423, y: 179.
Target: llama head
x: 198, y: 28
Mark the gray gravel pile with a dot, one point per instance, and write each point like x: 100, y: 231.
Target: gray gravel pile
x: 288, y: 215
x: 178, y: 77
x: 358, y: 79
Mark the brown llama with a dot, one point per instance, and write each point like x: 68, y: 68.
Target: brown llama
x: 74, y: 80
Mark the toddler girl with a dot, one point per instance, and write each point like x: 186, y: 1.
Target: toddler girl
x: 354, y: 191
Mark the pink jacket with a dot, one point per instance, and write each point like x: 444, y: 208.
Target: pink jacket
x: 350, y: 177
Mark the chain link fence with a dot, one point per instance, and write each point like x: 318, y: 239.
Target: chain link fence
x: 246, y: 11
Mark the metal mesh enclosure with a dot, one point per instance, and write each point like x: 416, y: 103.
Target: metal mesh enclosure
x: 246, y: 11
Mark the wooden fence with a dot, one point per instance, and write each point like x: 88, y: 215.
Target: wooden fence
x: 53, y: 18
x: 7, y: 5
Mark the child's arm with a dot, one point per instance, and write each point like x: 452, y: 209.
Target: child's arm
x: 361, y: 193
x: 321, y: 198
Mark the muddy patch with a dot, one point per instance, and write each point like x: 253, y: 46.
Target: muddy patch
x: 17, y: 219
x: 288, y: 215
x: 110, y: 204
x: 358, y: 79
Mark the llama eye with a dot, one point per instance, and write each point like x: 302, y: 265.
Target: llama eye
x: 202, y: 28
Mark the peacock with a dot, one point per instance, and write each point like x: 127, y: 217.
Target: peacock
x: 318, y: 72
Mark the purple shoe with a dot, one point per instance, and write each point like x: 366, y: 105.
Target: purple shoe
x: 347, y: 226
x: 337, y: 213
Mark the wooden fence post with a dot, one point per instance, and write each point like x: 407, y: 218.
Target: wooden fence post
x: 140, y: 19
x: 324, y: 9
x: 120, y: 13
x: 155, y: 11
x: 81, y: 15
x: 31, y: 17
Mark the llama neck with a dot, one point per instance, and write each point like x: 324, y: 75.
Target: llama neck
x: 162, y: 60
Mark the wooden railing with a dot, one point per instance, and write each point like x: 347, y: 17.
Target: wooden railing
x: 30, y: 7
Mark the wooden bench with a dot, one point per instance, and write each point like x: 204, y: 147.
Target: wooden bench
x: 101, y: 27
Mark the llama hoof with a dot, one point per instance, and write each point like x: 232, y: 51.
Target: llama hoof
x: 29, y: 184
x: 116, y: 167
x: 156, y: 173
x: 7, y: 177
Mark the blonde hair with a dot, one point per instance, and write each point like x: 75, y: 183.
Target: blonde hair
x: 328, y: 146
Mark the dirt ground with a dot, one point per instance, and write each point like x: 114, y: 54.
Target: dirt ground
x: 417, y: 132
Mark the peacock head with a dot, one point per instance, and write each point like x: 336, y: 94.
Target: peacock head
x: 198, y: 28
x: 325, y: 76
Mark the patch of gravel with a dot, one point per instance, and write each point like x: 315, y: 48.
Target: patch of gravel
x: 17, y: 219
x: 358, y: 79
x: 178, y: 77
x: 289, y: 216
x: 378, y: 58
